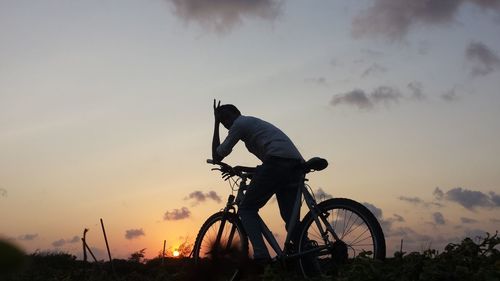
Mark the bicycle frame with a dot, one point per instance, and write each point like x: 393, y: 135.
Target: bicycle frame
x: 284, y: 253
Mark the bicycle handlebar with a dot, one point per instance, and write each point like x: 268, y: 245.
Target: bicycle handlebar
x: 225, y: 168
x: 220, y: 163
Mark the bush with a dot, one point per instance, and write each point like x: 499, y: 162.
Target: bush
x: 464, y: 261
x: 459, y: 262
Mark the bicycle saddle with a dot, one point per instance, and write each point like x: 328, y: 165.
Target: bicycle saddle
x: 315, y: 164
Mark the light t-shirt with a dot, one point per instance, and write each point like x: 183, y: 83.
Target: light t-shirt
x: 260, y: 137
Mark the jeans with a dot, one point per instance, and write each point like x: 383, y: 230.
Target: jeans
x: 278, y: 176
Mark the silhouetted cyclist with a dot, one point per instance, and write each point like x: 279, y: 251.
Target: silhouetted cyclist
x: 278, y: 174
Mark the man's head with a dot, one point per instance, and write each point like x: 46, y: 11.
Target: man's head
x: 226, y: 114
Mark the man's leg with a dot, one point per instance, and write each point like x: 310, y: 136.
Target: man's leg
x: 286, y: 198
x: 286, y: 195
x: 260, y: 190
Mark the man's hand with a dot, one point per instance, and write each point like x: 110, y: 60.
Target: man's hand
x: 227, y: 172
x: 216, y: 139
x: 216, y: 107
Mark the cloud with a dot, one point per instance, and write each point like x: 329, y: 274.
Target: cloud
x: 416, y: 90
x: 438, y: 193
x: 377, y: 212
x: 316, y: 80
x: 321, y: 195
x: 438, y: 218
x: 362, y: 100
x: 75, y: 239
x: 413, y: 200
x: 59, y: 243
x: 28, y: 237
x: 199, y: 196
x: 222, y: 15
x: 398, y: 218
x: 465, y: 220
x: 450, y: 96
x: 3, y: 192
x: 495, y: 199
x: 393, y: 19
x: 177, y: 214
x: 484, y: 60
x: 408, y: 234
x: 373, y: 70
x: 213, y: 195
x: 355, y: 98
x: 386, y: 224
x: 471, y: 199
x: 385, y: 94
x: 419, y: 201
x: 134, y: 233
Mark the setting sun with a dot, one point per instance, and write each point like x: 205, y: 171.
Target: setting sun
x: 176, y: 253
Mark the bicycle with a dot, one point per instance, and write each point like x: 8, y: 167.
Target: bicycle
x: 331, y: 233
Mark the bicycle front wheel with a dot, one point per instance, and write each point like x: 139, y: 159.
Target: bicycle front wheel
x: 221, y: 247
x: 358, y: 231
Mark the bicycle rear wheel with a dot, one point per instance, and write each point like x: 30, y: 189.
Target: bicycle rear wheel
x: 358, y: 231
x: 221, y: 247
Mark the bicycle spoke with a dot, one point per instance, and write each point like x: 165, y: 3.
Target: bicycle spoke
x: 344, y: 219
x: 348, y: 229
x: 336, y: 220
x: 229, y: 238
x: 353, y: 229
x: 361, y: 235
x: 343, y: 232
x: 364, y: 239
x: 317, y: 234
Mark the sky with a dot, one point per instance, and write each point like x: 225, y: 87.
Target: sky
x: 106, y: 112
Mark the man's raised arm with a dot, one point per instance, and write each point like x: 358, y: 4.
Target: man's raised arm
x: 216, y: 139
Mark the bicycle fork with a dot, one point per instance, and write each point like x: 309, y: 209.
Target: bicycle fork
x: 229, y: 207
x: 227, y: 210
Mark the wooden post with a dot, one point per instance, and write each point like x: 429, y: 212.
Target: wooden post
x: 401, y: 248
x: 163, y: 254
x: 83, y: 244
x: 88, y: 249
x: 107, y: 247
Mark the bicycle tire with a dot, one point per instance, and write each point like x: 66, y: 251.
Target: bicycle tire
x: 216, y: 261
x: 351, y: 233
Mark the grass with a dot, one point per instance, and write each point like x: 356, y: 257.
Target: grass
x: 468, y: 260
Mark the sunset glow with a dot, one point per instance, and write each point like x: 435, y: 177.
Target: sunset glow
x: 106, y: 112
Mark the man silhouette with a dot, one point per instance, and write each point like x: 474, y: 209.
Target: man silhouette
x: 278, y: 174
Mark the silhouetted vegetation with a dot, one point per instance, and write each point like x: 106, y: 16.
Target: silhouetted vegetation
x: 468, y: 260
